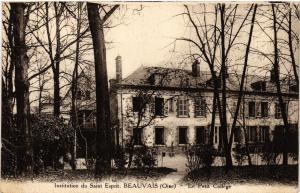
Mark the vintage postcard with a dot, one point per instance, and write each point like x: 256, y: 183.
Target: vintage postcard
x: 149, y: 97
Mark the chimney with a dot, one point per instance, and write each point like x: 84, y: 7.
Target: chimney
x: 196, y: 68
x: 272, y: 75
x: 119, y: 69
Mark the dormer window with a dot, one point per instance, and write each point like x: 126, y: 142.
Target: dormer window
x: 151, y: 79
x: 259, y: 86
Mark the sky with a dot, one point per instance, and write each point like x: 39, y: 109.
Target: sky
x: 145, y: 38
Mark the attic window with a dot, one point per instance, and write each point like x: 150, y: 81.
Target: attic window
x: 151, y: 79
x: 259, y: 86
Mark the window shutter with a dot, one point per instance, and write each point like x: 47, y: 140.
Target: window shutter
x: 188, y: 107
x: 205, y: 106
x: 233, y: 108
x: 241, y: 110
x: 246, y: 109
x: 195, y: 107
x: 152, y: 107
x: 171, y: 105
x: 258, y: 109
x: 206, y: 129
x: 166, y: 107
x: 177, y: 106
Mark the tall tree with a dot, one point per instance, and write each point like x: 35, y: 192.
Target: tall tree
x: 276, y: 70
x: 20, y: 61
x: 103, y: 146
x: 220, y: 36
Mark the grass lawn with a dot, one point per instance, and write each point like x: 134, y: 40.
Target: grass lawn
x: 88, y: 175
x: 246, y: 175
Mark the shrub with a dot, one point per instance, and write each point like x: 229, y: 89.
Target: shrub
x: 51, y: 139
x: 120, y: 158
x: 144, y: 158
x: 271, y: 151
x: 240, y: 154
x: 199, y: 157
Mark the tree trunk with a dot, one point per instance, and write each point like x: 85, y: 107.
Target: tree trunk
x: 241, y: 90
x: 213, y: 120
x: 224, y: 102
x: 103, y: 146
x: 278, y: 88
x: 20, y: 61
x: 55, y: 68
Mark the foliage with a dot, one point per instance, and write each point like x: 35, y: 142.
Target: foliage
x: 240, y: 154
x: 270, y: 152
x: 144, y: 157
x: 51, y: 139
x: 199, y: 157
x: 120, y: 158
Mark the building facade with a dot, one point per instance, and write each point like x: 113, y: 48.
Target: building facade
x: 170, y: 109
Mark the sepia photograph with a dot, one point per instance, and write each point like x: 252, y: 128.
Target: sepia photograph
x: 149, y: 96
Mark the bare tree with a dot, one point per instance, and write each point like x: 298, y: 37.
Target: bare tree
x: 96, y: 23
x: 20, y: 61
x: 220, y: 36
x: 278, y: 86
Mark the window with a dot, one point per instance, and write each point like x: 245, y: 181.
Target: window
x: 137, y: 136
x: 89, y: 119
x: 200, y: 107
x: 86, y: 119
x: 200, y: 135
x: 278, y: 134
x: 251, y: 109
x: 278, y: 114
x: 237, y: 134
x: 171, y: 108
x: 252, y: 133
x: 159, y: 106
x: 183, y: 107
x: 263, y: 133
x: 159, y: 135
x: 259, y: 86
x: 264, y: 109
x: 136, y: 104
x: 87, y: 95
x: 182, y: 135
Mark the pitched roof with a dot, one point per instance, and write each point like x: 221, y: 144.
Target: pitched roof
x: 182, y: 78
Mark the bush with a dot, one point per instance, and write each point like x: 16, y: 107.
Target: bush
x: 270, y: 153
x: 199, y: 157
x: 120, y: 158
x: 240, y: 154
x: 144, y: 158
x: 51, y: 139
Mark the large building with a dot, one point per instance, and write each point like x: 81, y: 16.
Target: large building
x: 170, y: 109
